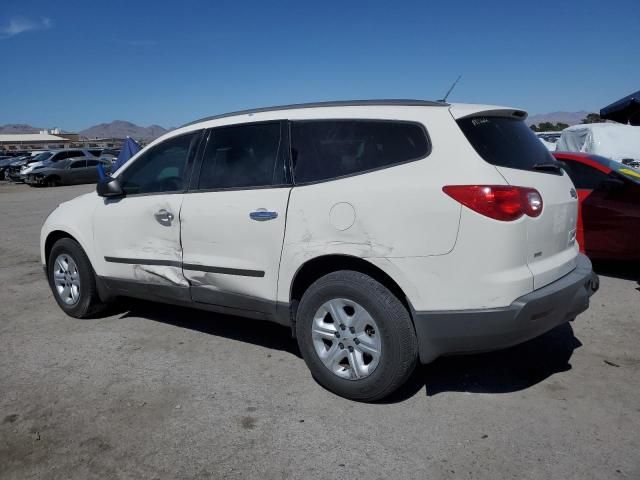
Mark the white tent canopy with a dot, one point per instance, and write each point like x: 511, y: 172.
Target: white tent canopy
x: 611, y: 140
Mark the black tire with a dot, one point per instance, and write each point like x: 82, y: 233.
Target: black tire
x: 88, y: 303
x: 399, y: 352
x: 52, y: 182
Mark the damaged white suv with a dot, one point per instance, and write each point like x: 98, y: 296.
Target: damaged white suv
x: 384, y: 233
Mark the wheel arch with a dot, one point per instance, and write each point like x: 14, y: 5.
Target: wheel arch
x: 52, y: 238
x: 317, y: 267
x: 52, y: 177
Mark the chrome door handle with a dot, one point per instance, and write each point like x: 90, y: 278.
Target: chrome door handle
x: 164, y: 217
x: 262, y: 215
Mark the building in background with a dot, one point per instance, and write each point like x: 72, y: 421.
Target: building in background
x: 44, y: 140
x: 53, y: 139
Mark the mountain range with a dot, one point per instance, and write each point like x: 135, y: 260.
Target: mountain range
x: 115, y: 129
x: 121, y: 129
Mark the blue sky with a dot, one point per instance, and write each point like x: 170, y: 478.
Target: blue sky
x: 73, y: 64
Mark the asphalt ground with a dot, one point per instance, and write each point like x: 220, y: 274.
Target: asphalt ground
x: 161, y: 392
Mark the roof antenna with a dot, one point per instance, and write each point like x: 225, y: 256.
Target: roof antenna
x: 451, y: 89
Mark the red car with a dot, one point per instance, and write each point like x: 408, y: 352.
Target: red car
x: 609, y: 208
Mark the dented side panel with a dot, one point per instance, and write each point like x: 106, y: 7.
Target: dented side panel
x: 133, y: 244
x: 397, y: 212
x: 225, y: 250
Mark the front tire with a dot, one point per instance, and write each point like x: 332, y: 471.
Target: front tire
x: 72, y: 280
x: 52, y: 182
x: 356, y: 336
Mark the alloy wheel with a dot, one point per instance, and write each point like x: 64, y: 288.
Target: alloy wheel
x: 346, y: 338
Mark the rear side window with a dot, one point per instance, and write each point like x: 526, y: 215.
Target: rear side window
x: 505, y: 142
x: 325, y: 149
x: 243, y: 156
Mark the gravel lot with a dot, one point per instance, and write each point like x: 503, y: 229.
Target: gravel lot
x: 163, y: 392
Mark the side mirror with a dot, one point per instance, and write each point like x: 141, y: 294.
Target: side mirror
x: 110, y: 187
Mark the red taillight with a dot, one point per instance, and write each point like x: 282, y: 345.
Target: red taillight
x: 500, y: 202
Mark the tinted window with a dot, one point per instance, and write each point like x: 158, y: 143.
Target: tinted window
x: 584, y: 176
x: 243, y: 156
x: 92, y: 163
x: 41, y: 157
x: 78, y: 164
x: 162, y: 168
x: 505, y: 142
x: 67, y: 154
x: 325, y: 149
x: 62, y: 164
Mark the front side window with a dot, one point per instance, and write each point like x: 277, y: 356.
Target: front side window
x: 583, y: 176
x: 243, y: 156
x: 324, y: 149
x: 162, y: 168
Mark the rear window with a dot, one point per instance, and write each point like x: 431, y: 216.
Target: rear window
x: 505, y: 142
x: 325, y: 149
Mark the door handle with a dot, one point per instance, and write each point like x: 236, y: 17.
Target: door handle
x: 262, y: 215
x: 164, y: 217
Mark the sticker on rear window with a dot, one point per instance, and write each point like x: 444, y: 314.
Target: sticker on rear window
x: 479, y: 121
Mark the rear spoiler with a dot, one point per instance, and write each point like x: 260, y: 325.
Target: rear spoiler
x: 509, y: 113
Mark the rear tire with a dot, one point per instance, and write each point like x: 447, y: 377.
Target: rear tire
x: 365, y: 303
x: 72, y: 280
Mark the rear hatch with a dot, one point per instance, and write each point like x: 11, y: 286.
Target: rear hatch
x: 502, y: 139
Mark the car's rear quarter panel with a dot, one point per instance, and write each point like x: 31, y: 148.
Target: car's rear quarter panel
x: 398, y: 212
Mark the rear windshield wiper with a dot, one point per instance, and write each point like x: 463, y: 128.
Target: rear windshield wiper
x: 549, y: 166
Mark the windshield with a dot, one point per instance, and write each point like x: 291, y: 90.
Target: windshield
x: 505, y: 142
x: 41, y: 157
x: 626, y: 171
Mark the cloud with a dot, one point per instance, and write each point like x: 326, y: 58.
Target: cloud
x: 18, y: 25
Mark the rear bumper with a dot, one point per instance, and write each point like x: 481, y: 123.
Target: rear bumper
x: 466, y: 331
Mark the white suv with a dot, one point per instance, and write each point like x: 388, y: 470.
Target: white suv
x: 382, y: 233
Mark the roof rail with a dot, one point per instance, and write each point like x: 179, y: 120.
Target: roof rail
x: 338, y: 103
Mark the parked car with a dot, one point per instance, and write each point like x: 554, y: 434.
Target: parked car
x: 112, y: 152
x: 4, y: 166
x: 53, y: 156
x: 413, y: 230
x: 70, y: 171
x: 13, y: 170
x: 609, y: 211
x: 610, y: 140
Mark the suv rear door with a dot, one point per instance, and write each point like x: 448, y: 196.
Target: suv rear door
x: 233, y: 218
x: 502, y: 139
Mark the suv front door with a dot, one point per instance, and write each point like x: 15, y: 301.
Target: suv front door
x: 138, y: 235
x: 233, y: 219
